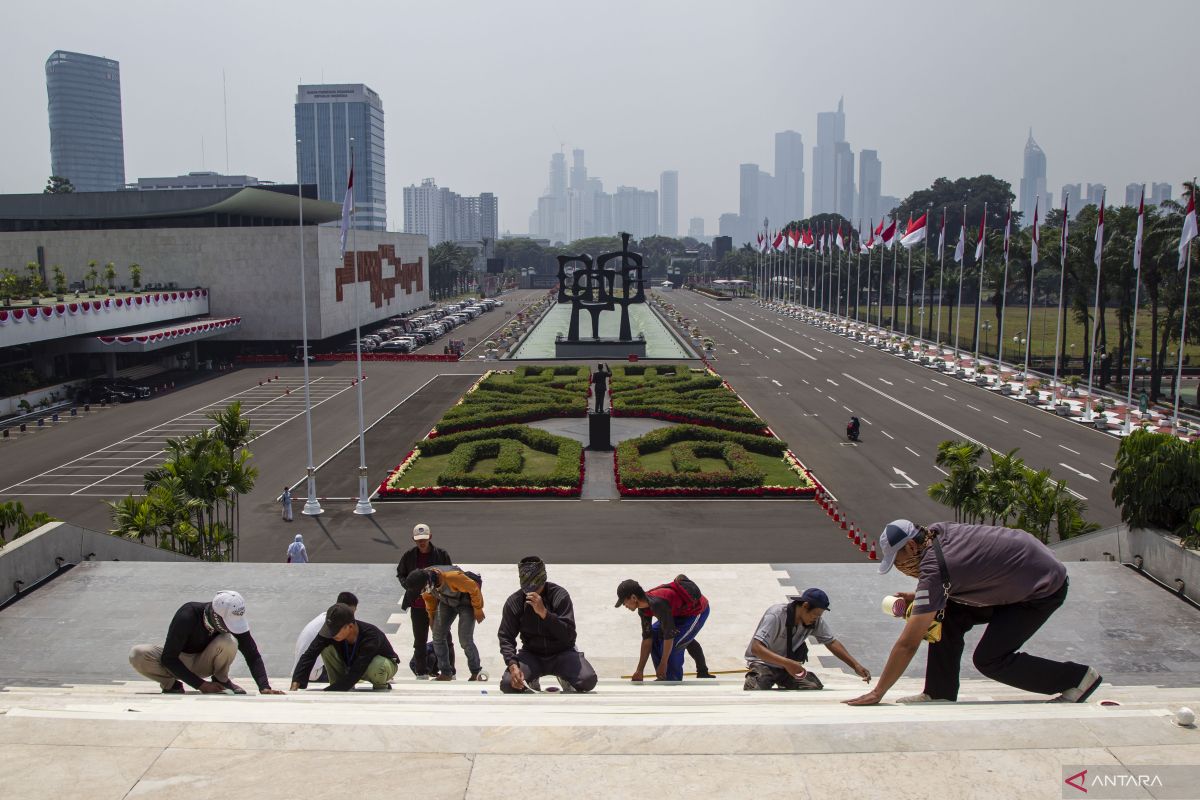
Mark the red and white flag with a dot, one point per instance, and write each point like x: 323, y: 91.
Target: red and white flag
x: 888, y: 233
x: 808, y: 239
x: 870, y: 237
x: 915, y: 233
x: 982, y: 235
x: 1137, y: 240
x: 960, y: 248
x: 778, y: 243
x: 942, y: 234
x: 1007, y: 230
x: 1189, y: 228
x: 1034, y: 234
x: 348, y: 205
x: 838, y: 241
x: 1099, y: 233
x: 879, y: 232
x: 759, y: 243
x: 793, y: 239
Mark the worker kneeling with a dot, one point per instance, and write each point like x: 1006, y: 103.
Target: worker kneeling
x: 779, y: 649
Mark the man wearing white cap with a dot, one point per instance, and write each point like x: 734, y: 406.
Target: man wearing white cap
x: 970, y: 575
x: 423, y: 555
x: 202, y: 640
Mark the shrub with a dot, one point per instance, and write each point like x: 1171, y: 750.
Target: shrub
x: 683, y: 458
x: 675, y: 394
x: 528, y: 394
x: 1157, y: 480
x: 503, y: 443
x: 687, y: 443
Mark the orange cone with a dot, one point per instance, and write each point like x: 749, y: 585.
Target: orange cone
x: 873, y: 555
x: 843, y: 523
x: 862, y: 545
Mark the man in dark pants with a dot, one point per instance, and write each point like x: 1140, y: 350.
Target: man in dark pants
x: 423, y: 555
x: 779, y: 649
x: 600, y: 379
x: 542, y: 614
x: 970, y: 575
x: 352, y: 651
x: 678, y: 610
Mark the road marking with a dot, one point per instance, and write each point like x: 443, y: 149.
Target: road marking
x: 885, y: 433
x: 1031, y: 433
x: 806, y: 383
x: 1077, y: 472
x: 939, y: 469
x: 831, y: 380
x: 1002, y: 420
x: 777, y: 383
x: 948, y: 397
x: 926, y: 388
x: 885, y: 380
x: 935, y: 380
x: 859, y: 350
x: 973, y: 408
x: 735, y: 352
x: 776, y: 349
x: 910, y: 380
x: 819, y: 350
x: 831, y: 397
x: 848, y: 409
x: 1069, y: 450
x: 818, y: 389
x: 769, y: 336
x: 904, y: 475
x: 914, y: 452
x: 1107, y: 466
x: 864, y: 419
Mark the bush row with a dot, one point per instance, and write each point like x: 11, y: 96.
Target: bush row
x: 567, y: 468
x: 464, y: 458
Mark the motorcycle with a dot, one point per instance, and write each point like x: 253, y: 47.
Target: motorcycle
x: 851, y: 432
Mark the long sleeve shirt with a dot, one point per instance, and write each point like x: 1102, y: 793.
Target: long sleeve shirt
x: 188, y: 634
x: 543, y: 637
x: 414, y: 559
x: 453, y: 582
x: 371, y: 642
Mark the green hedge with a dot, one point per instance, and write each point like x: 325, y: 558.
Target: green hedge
x: 687, y: 443
x: 492, y: 443
x: 528, y: 394
x: 507, y: 452
x: 676, y: 394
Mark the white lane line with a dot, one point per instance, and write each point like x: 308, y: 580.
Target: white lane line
x: 914, y: 452
x: 848, y: 409
x: 885, y: 433
x: 819, y: 350
x: 973, y: 408
x: 806, y: 383
x: 885, y: 380
x: 733, y: 351
x: 1107, y: 466
x: 769, y: 336
x: 777, y: 383
x: 926, y: 388
x: 858, y: 350
x: 1001, y: 420
x: 939, y: 469
x: 831, y: 380
x: 776, y: 349
x: 948, y: 397
x: 1077, y: 472
x: 1031, y: 433
x: 864, y: 419
x: 831, y: 397
x: 940, y: 383
x: 910, y: 380
x: 1069, y: 450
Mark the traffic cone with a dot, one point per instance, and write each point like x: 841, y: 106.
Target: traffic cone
x: 843, y: 523
x: 837, y: 515
x: 873, y: 556
x: 862, y: 545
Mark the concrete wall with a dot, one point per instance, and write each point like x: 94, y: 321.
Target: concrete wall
x: 12, y: 405
x: 1162, y: 555
x: 250, y: 272
x: 32, y: 557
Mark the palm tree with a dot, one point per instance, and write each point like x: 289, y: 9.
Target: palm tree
x: 960, y: 489
x: 232, y: 430
x: 11, y: 514
x: 91, y: 277
x: 999, y: 487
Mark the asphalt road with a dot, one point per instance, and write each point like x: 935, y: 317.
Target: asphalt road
x: 806, y: 381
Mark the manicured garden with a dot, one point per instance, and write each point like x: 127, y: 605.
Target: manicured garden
x: 480, y: 449
x: 678, y: 393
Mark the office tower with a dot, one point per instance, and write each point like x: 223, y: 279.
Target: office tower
x: 602, y: 221
x: 843, y: 167
x: 635, y: 212
x: 789, y: 175
x: 446, y: 216
x: 1160, y: 193
x: 748, y: 202
x: 870, y: 186
x: 696, y: 228
x: 1033, y: 182
x: 668, y: 195
x: 558, y: 174
x: 729, y: 224
x: 489, y: 216
x: 87, y: 146
x: 1076, y: 200
x: 1133, y: 194
x: 831, y: 130
x: 720, y: 246
x: 579, y: 175
x: 328, y: 116
x: 1095, y: 193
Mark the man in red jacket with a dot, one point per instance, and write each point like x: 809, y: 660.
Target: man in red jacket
x: 678, y: 610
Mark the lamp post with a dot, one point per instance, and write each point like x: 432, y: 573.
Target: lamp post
x: 987, y: 327
x: 312, y: 507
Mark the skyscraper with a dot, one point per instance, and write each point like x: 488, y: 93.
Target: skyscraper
x: 489, y: 216
x: 328, y: 116
x: 1133, y: 193
x: 87, y: 146
x: 635, y: 212
x: 831, y: 130
x: 729, y: 224
x: 696, y: 227
x: 1160, y: 193
x: 1033, y: 181
x: 843, y: 170
x: 558, y: 173
x: 870, y: 186
x: 446, y: 216
x: 668, y: 195
x: 749, y: 210
x: 789, y: 176
x: 1095, y: 193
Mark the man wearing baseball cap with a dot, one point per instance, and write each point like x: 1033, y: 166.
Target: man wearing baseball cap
x: 202, y: 640
x: 970, y: 575
x: 777, y: 653
x: 352, y: 651
x: 422, y: 555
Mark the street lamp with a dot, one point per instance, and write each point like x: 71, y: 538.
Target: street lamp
x: 987, y: 327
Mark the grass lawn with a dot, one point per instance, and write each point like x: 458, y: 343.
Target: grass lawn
x: 426, y: 469
x: 778, y: 473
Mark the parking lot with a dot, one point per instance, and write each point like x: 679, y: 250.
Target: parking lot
x: 117, y: 468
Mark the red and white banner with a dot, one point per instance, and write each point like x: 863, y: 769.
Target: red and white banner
x: 167, y: 334
x: 105, y: 306
x: 1189, y: 229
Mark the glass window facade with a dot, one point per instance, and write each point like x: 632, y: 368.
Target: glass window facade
x: 87, y: 145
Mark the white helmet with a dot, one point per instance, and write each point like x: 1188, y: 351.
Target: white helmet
x: 421, y: 532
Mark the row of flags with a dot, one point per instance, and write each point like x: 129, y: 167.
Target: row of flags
x: 914, y: 233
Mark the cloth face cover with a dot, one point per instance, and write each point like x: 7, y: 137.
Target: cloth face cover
x: 532, y: 575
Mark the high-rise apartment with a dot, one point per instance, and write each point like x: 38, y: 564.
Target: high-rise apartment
x: 749, y: 209
x: 843, y: 170
x: 789, y: 176
x: 668, y: 196
x: 446, y: 216
x: 1160, y: 193
x: 870, y: 186
x: 696, y: 228
x: 635, y: 212
x: 1033, y: 180
x: 87, y: 146
x: 831, y: 130
x: 1075, y: 198
x: 328, y: 116
x: 1095, y: 193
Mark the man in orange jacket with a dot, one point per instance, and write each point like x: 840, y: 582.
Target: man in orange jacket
x: 449, y: 593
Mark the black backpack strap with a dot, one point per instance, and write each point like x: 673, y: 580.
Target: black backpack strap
x: 800, y: 651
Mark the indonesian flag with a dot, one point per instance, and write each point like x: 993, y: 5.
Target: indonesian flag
x: 863, y: 247
x: 915, y: 232
x: 793, y: 239
x: 888, y: 233
x: 1065, y: 225
x: 839, y: 242
x: 982, y: 236
x: 1100, y: 233
x: 1189, y: 228
x: 348, y: 205
x: 1137, y: 240
x: 808, y: 239
x: 879, y: 230
x: 870, y: 237
x: 1007, y: 230
x: 1035, y: 235
x: 778, y: 243
x: 942, y: 234
x: 960, y: 248
x: 760, y: 243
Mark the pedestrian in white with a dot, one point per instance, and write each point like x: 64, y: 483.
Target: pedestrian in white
x: 285, y: 500
x: 296, y: 552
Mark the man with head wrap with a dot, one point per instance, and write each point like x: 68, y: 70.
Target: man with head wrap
x: 542, y: 614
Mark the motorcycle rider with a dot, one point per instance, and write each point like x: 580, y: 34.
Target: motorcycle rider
x: 852, y: 428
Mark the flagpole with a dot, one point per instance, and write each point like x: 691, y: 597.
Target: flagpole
x: 895, y: 263
x: 1187, y: 279
x: 882, y: 264
x: 1062, y: 278
x: 868, y: 319
x: 979, y: 295
x: 363, y: 507
x: 1029, y: 311
x: 962, y: 242
x: 1096, y: 306
x: 908, y: 293
x: 1003, y: 296
x: 312, y: 506
x: 941, y: 273
x: 1137, y: 289
x: 924, y: 271
x: 837, y: 309
x: 858, y: 277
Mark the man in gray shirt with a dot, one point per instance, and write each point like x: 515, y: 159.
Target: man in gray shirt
x: 777, y: 653
x: 970, y: 575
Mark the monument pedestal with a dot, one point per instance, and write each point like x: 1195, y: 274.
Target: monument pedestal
x: 599, y: 430
x: 600, y: 349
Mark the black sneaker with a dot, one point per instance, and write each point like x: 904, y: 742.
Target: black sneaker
x: 176, y: 688
x: 230, y: 686
x: 705, y: 674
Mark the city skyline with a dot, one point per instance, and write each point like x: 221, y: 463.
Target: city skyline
x: 588, y: 107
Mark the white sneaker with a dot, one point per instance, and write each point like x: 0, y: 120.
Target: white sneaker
x: 1079, y: 694
x: 919, y: 698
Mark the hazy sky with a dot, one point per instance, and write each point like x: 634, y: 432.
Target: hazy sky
x: 478, y: 93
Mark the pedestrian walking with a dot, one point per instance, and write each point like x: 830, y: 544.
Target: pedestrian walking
x: 296, y: 552
x: 285, y: 500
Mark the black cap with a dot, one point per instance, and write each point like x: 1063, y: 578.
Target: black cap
x: 627, y: 589
x: 337, y: 617
x: 816, y: 598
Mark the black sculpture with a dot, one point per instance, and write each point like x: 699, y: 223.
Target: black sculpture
x: 593, y: 288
